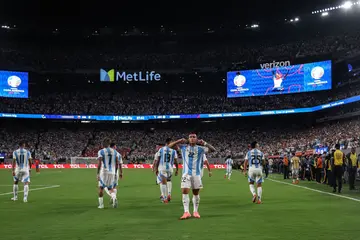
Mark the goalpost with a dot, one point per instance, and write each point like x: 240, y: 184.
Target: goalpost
x: 83, y: 160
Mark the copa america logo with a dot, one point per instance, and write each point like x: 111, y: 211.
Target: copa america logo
x: 239, y: 80
x: 317, y: 73
x: 14, y: 81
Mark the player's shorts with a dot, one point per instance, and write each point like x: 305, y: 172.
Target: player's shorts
x: 22, y: 175
x: 107, y: 180
x: 193, y: 182
x: 295, y: 172
x: 255, y: 175
x: 165, y: 174
x: 228, y: 169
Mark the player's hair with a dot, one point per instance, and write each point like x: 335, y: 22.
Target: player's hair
x: 337, y: 146
x: 112, y: 144
x: 168, y: 140
x: 229, y: 156
x: 22, y: 143
x: 293, y: 153
x: 253, y: 144
x: 106, y: 142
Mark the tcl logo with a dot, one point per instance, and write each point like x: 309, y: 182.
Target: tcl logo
x: 74, y: 165
x: 43, y: 166
x: 58, y: 166
x: 8, y: 166
x: 92, y: 166
x: 124, y: 166
x: 219, y: 166
x: 138, y: 166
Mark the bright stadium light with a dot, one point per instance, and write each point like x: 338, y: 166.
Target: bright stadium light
x: 296, y: 19
x: 347, y: 5
x: 324, y: 14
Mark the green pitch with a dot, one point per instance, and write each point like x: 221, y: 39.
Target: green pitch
x: 64, y: 206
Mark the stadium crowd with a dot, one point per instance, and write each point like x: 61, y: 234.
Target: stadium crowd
x: 140, y: 145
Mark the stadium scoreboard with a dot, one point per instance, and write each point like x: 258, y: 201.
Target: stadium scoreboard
x: 308, y: 77
x: 14, y: 84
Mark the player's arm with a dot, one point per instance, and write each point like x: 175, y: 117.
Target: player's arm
x: 206, y: 162
x: 116, y: 164
x: 120, y: 167
x: 174, y: 144
x: 246, y: 162
x: 205, y: 144
x: 30, y: 161
x: 13, y: 164
x: 176, y: 163
x: 287, y: 73
x: 100, y: 159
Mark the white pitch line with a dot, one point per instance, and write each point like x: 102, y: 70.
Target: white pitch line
x: 31, y: 189
x: 34, y: 185
x: 315, y: 190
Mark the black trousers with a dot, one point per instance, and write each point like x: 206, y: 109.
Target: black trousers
x: 328, y: 178
x: 352, y: 177
x: 266, y: 171
x: 318, y: 174
x: 337, y: 177
x: 286, y: 172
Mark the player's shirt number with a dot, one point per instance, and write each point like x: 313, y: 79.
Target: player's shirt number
x: 167, y: 157
x: 255, y: 159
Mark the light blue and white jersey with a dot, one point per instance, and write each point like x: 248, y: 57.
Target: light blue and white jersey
x: 255, y: 158
x: 108, y: 157
x: 119, y: 158
x: 21, y: 157
x: 193, y: 159
x: 166, y: 157
x: 229, y: 162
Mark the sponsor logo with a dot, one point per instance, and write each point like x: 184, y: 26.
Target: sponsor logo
x: 14, y: 81
x: 138, y: 166
x: 107, y: 76
x: 58, y: 166
x: 219, y: 166
x: 74, y: 166
x: 92, y: 166
x: 275, y: 64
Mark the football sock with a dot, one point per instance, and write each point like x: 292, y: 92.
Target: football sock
x: 160, y: 185
x: 15, y: 190
x: 101, y: 201
x: 259, y: 190
x: 229, y: 175
x: 186, y: 202
x: 26, y: 191
x: 196, y: 202
x: 252, y: 189
x: 115, y: 191
x: 169, y: 187
x: 163, y: 190
x: 113, y: 195
x: 107, y: 192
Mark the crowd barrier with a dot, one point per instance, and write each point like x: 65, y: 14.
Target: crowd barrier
x: 71, y: 166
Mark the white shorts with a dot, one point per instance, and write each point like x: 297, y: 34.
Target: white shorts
x: 229, y: 170
x: 255, y: 175
x: 108, y: 180
x: 22, y: 175
x: 165, y: 174
x: 295, y: 172
x: 193, y: 182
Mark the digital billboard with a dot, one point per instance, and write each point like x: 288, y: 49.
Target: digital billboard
x: 306, y: 77
x: 14, y: 84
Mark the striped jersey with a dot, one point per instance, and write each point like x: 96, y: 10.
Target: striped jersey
x: 229, y: 162
x: 255, y: 158
x: 166, y: 157
x: 193, y: 159
x: 22, y: 157
x: 108, y: 157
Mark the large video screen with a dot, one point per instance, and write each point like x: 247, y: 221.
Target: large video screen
x: 14, y: 84
x: 307, y: 77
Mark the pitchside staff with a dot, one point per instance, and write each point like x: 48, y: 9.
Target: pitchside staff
x: 338, y: 164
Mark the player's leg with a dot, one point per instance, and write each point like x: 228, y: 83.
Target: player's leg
x: 102, y: 186
x: 185, y: 189
x: 229, y: 173
x: 293, y: 175
x: 297, y: 175
x: 251, y: 180
x: 16, y: 186
x: 169, y: 186
x: 26, y: 180
x: 259, y: 181
x: 226, y: 173
x: 164, y: 191
x: 196, y: 185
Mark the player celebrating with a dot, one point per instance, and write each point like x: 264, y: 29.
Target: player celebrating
x: 21, y: 167
x: 228, y: 162
x: 295, y: 168
x: 255, y: 158
x: 193, y: 154
x: 164, y: 161
x: 119, y: 173
x: 278, y: 79
x: 106, y: 172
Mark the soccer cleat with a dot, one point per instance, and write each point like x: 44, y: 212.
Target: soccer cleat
x: 115, y: 203
x: 225, y: 176
x: 186, y: 215
x: 14, y: 199
x: 254, y: 198
x: 25, y: 200
x: 101, y: 207
x: 166, y: 201
x: 196, y: 215
x: 258, y: 202
x: 169, y: 198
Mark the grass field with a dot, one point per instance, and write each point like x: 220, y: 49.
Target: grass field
x: 64, y: 206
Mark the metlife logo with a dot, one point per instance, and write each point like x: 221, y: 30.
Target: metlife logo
x: 112, y: 76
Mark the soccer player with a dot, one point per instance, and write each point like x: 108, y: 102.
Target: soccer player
x: 278, y: 79
x: 228, y: 162
x: 193, y: 155
x: 37, y: 166
x: 255, y: 159
x: 119, y: 173
x: 165, y: 159
x: 295, y: 168
x: 106, y: 172
x: 21, y: 167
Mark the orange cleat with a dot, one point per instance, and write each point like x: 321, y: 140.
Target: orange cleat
x: 224, y: 176
x: 297, y: 182
x: 185, y: 216
x: 166, y: 201
x: 254, y: 198
x: 196, y: 215
x: 169, y: 198
x: 258, y: 202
